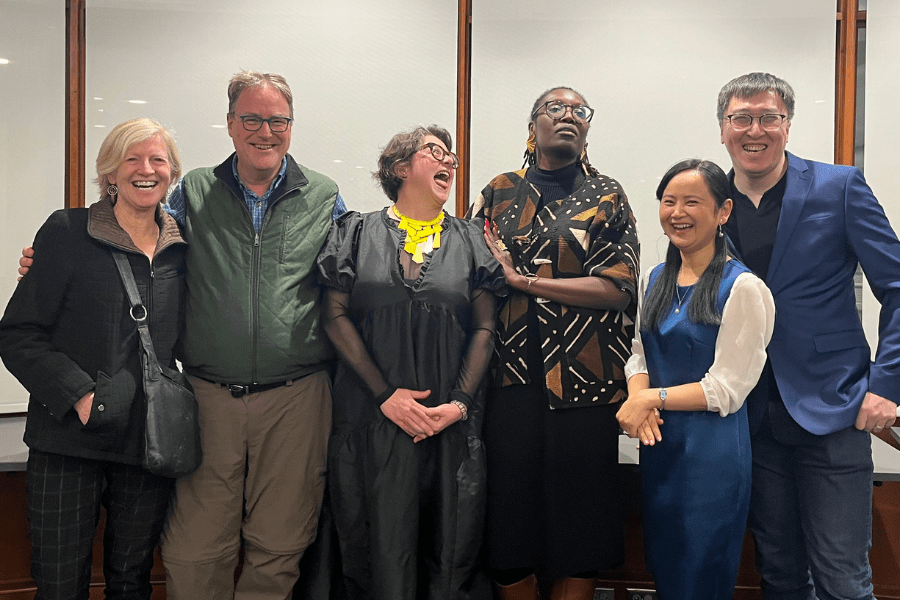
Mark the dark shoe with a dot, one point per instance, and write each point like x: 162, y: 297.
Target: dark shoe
x: 526, y: 589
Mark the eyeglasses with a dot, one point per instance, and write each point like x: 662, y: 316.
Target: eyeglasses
x: 440, y: 154
x: 767, y: 122
x: 557, y: 110
x: 255, y: 123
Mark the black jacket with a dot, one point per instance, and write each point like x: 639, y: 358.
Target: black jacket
x: 67, y: 330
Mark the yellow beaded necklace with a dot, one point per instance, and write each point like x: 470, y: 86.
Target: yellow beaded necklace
x: 421, y: 236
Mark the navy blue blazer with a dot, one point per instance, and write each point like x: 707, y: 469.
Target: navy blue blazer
x: 822, y: 363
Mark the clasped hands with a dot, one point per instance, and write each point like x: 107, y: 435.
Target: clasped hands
x: 420, y: 422
x: 639, y: 418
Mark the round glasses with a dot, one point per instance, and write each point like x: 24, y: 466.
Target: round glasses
x: 557, y: 110
x: 440, y: 154
x: 255, y: 123
x: 768, y: 122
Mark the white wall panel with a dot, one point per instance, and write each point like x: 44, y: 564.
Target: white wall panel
x: 32, y: 140
x: 360, y: 72
x: 882, y: 152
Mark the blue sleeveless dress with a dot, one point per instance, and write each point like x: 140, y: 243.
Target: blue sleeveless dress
x: 696, y: 482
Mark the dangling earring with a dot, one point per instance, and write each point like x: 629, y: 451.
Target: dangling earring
x: 112, y: 191
x: 529, y: 155
x: 721, y: 234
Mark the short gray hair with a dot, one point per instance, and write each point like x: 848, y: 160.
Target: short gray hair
x: 399, y: 150
x: 252, y: 79
x: 752, y: 84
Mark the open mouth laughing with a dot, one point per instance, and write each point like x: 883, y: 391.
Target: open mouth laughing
x: 443, y: 178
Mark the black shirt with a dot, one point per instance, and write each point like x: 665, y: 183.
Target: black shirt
x: 752, y: 231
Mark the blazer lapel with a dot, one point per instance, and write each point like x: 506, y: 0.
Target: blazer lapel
x: 798, y: 183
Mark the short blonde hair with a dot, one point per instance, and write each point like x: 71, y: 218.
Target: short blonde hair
x: 252, y: 79
x: 122, y: 137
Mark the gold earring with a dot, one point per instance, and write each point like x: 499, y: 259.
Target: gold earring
x: 530, y: 147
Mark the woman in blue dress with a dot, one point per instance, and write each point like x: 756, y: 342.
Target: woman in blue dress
x: 700, y: 345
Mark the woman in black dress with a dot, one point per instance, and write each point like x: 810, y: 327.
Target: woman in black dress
x: 566, y: 238
x: 409, y: 305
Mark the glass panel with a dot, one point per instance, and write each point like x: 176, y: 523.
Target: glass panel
x: 360, y: 72
x: 652, y: 71
x: 882, y: 122
x: 32, y: 139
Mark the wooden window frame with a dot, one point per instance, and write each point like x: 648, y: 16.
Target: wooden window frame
x: 849, y: 20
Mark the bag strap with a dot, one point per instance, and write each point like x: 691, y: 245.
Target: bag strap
x: 138, y: 312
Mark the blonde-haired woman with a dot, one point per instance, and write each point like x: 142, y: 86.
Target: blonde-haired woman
x: 68, y: 337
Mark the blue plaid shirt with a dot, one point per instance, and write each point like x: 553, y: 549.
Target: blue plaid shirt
x: 256, y: 205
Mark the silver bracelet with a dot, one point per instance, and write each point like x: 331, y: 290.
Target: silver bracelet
x: 462, y: 408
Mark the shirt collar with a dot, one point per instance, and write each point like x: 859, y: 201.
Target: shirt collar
x: 776, y: 192
x: 275, y: 183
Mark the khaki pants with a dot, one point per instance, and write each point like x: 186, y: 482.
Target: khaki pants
x: 261, y: 483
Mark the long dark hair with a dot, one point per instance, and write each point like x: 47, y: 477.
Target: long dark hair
x: 702, y: 307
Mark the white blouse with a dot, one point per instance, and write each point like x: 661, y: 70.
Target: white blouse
x: 748, y: 319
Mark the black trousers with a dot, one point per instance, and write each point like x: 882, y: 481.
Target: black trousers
x: 64, y: 496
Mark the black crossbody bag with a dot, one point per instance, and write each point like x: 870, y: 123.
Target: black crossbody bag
x: 172, y: 432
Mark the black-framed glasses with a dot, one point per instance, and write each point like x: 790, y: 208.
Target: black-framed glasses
x: 255, y: 123
x: 769, y: 122
x: 557, y: 110
x: 440, y: 154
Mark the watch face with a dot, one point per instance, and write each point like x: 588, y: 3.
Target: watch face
x: 663, y: 394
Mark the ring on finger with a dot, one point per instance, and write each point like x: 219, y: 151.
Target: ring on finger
x: 500, y: 245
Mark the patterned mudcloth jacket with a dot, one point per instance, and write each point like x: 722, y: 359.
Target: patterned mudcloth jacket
x: 592, y: 232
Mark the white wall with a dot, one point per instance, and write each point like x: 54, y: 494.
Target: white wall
x: 882, y: 154
x: 360, y: 72
x: 32, y: 139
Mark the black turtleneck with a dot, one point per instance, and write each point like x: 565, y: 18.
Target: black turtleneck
x: 556, y: 185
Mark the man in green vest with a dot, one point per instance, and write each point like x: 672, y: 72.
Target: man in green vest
x: 256, y: 354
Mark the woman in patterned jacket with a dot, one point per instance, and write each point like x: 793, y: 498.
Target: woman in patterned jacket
x: 566, y: 238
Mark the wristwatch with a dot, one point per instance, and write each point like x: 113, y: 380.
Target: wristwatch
x: 663, y: 394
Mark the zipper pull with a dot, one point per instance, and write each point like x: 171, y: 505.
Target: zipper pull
x: 256, y: 239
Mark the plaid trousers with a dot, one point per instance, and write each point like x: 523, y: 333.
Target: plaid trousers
x: 64, y: 496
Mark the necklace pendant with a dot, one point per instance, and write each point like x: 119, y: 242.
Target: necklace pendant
x: 677, y: 311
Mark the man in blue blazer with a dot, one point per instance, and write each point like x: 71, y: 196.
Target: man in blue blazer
x: 803, y: 226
